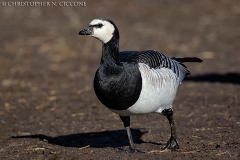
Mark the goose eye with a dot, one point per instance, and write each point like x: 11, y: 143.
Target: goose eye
x: 99, y: 25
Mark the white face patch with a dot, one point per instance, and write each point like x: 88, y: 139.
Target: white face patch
x: 105, y: 33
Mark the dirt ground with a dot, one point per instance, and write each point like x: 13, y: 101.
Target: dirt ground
x: 48, y: 109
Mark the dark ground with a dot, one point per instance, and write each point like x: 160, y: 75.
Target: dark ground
x: 48, y: 109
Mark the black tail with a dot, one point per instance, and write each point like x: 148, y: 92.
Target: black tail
x: 188, y: 59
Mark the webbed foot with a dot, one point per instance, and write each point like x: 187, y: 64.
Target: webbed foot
x: 172, y: 144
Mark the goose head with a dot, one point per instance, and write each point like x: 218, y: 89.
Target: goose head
x: 102, y: 29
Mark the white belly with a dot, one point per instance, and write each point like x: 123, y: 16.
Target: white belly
x: 159, y: 88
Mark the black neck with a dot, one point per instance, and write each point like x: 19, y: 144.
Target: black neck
x: 110, y: 50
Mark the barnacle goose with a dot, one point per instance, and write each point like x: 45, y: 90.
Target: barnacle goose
x: 136, y: 82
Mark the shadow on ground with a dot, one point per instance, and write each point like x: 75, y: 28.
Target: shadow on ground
x: 233, y: 78
x: 94, y: 139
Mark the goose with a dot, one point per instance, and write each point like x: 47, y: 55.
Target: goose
x: 136, y: 82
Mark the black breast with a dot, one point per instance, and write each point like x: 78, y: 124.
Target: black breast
x: 118, y: 87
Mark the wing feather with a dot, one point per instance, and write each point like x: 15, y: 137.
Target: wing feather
x: 156, y: 60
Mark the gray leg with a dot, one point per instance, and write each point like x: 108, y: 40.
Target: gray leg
x: 172, y: 142
x: 126, y: 123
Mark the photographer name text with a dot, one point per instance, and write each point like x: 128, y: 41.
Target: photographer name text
x: 43, y: 4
